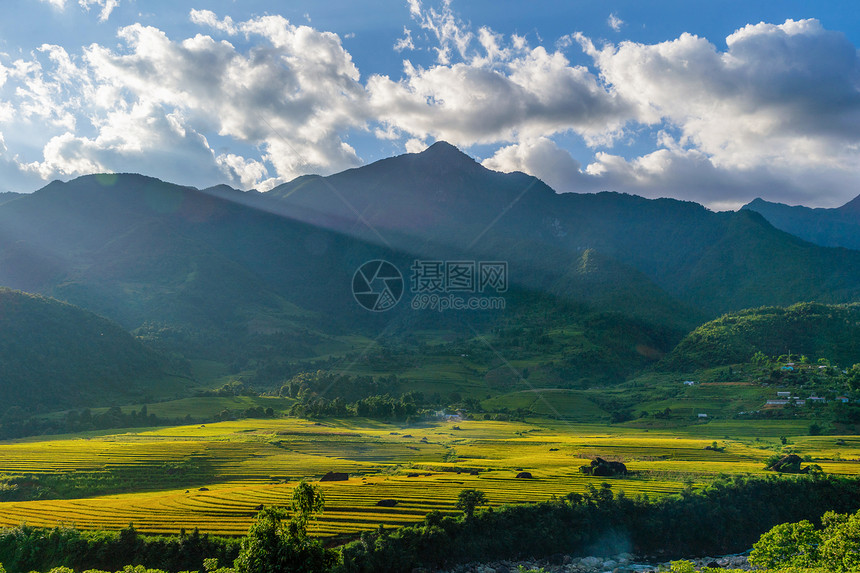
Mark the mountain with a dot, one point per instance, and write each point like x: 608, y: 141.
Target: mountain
x: 55, y: 355
x: 156, y: 256
x: 8, y: 196
x: 839, y: 227
x: 442, y: 201
x: 257, y: 281
x: 811, y: 329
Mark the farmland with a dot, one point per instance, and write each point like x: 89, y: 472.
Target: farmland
x: 214, y: 476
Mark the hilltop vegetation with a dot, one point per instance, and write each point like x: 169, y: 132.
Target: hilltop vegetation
x: 815, y: 330
x: 55, y: 355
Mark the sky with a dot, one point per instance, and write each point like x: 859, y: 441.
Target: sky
x: 713, y: 102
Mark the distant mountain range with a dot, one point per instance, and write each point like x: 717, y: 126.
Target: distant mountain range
x: 143, y: 251
x: 839, y: 227
x: 714, y: 262
x: 243, y: 277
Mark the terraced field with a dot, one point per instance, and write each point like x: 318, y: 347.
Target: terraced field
x: 226, y: 470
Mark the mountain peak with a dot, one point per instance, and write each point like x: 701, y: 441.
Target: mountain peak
x: 444, y: 151
x: 757, y: 202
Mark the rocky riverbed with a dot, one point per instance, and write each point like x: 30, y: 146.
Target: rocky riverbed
x: 622, y: 563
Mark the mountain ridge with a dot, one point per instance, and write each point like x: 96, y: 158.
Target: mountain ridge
x: 828, y: 227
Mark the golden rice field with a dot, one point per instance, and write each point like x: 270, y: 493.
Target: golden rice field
x: 241, y: 465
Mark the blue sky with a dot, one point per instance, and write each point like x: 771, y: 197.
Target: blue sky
x: 715, y: 102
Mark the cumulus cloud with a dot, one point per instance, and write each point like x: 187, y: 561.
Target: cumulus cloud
x: 781, y: 95
x: 544, y: 159
x: 615, y: 22
x: 288, y: 99
x: 670, y: 172
x: 248, y: 171
x: 502, y: 91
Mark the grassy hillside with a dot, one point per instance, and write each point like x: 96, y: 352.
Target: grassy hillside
x: 55, y: 355
x: 811, y: 329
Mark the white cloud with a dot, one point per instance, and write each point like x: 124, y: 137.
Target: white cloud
x: 781, y: 95
x: 404, y: 43
x: 107, y: 7
x: 248, y: 171
x: 505, y: 93
x: 543, y: 159
x: 210, y: 19
x: 615, y: 22
x: 450, y: 32
x: 415, y: 145
x: 288, y: 98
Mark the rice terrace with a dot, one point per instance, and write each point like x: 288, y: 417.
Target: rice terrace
x: 214, y: 476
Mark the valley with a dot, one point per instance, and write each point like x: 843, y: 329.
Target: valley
x: 182, y: 359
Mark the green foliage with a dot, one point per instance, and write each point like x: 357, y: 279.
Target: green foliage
x: 840, y: 542
x: 812, y: 329
x: 787, y: 544
x: 469, y: 500
x: 835, y: 547
x: 277, y: 541
x: 682, y: 566
x: 306, y: 501
x: 26, y: 548
x: 48, y: 347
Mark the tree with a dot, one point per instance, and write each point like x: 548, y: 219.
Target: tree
x: 469, y: 500
x: 306, y: 501
x: 854, y: 377
x: 840, y: 541
x: 787, y: 545
x: 273, y: 546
